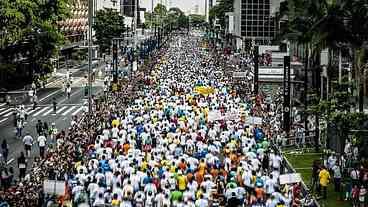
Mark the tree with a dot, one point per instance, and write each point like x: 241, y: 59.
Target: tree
x: 332, y: 25
x: 219, y: 10
x: 177, y: 18
x: 108, y: 24
x: 29, y: 30
x: 196, y: 19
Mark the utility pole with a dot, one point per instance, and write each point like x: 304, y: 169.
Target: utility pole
x: 90, y: 19
x: 256, y: 69
x: 286, y: 91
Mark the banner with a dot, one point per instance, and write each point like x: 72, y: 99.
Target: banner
x: 290, y: 178
x: 253, y: 120
x: 286, y: 94
x: 232, y: 116
x: 214, y: 116
x: 204, y: 90
x: 54, y: 187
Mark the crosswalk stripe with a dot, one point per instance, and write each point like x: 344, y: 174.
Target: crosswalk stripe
x: 77, y: 111
x: 2, y: 109
x: 31, y: 110
x: 40, y: 111
x: 47, y: 112
x: 2, y: 104
x: 8, y: 114
x: 69, y: 110
x: 61, y: 109
x: 6, y: 111
x: 2, y: 120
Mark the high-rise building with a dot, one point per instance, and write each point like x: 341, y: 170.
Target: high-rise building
x: 257, y: 22
x: 76, y: 26
x: 128, y: 7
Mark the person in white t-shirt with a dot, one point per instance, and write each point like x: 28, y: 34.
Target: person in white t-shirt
x: 42, y: 145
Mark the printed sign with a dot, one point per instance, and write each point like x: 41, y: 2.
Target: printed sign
x: 214, y: 116
x: 54, y: 187
x: 253, y: 120
x: 290, y: 178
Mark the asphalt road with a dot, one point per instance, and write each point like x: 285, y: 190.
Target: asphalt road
x: 66, y: 108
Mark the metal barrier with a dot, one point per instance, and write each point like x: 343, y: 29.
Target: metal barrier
x: 289, y: 169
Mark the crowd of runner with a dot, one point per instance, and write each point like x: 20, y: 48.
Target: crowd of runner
x: 185, y: 140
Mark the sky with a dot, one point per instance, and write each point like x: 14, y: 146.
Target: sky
x: 184, y: 5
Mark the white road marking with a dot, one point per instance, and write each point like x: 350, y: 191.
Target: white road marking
x: 61, y: 109
x: 40, y: 111
x: 2, y: 120
x: 10, y: 161
x: 32, y: 110
x: 69, y: 110
x: 2, y: 104
x: 6, y: 111
x: 8, y: 114
x: 71, y: 95
x: 77, y: 111
x: 47, y: 112
x: 48, y: 95
x: 2, y: 109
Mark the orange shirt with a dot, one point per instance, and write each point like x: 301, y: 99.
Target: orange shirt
x: 199, y: 178
x: 126, y: 148
x: 202, y: 168
x: 259, y: 193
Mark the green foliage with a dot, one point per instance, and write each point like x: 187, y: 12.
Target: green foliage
x: 160, y: 10
x: 161, y: 17
x: 219, y: 10
x: 28, y: 27
x: 107, y: 25
x: 196, y: 19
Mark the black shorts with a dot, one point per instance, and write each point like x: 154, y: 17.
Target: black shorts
x: 27, y: 147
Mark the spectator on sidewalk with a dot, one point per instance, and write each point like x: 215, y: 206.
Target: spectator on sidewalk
x: 337, y: 175
x: 324, y: 180
x: 5, y: 150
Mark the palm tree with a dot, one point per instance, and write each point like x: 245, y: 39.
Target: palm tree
x: 356, y: 19
x: 303, y: 16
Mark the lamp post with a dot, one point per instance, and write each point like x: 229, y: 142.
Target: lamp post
x: 90, y: 19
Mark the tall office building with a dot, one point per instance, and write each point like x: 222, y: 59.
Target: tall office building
x: 257, y: 22
x: 128, y: 7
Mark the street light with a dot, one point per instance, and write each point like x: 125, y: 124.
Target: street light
x: 90, y: 19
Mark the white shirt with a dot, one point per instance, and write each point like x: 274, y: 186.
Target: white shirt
x: 28, y: 140
x: 41, y: 141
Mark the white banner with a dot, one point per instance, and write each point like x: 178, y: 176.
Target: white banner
x: 214, y: 116
x: 290, y: 178
x: 135, y: 66
x: 54, y: 187
x: 239, y: 74
x: 232, y: 116
x: 253, y: 120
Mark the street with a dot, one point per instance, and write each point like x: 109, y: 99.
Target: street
x: 66, y: 109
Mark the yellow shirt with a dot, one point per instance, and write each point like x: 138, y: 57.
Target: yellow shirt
x: 182, y: 182
x: 115, y: 203
x: 324, y: 177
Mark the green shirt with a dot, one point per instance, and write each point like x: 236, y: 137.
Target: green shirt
x: 176, y: 195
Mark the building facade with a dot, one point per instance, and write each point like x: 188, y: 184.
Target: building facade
x: 257, y: 22
x: 75, y: 28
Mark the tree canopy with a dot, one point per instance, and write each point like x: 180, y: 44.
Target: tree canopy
x: 219, y: 10
x: 196, y: 19
x: 107, y: 25
x: 161, y: 17
x: 28, y: 29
